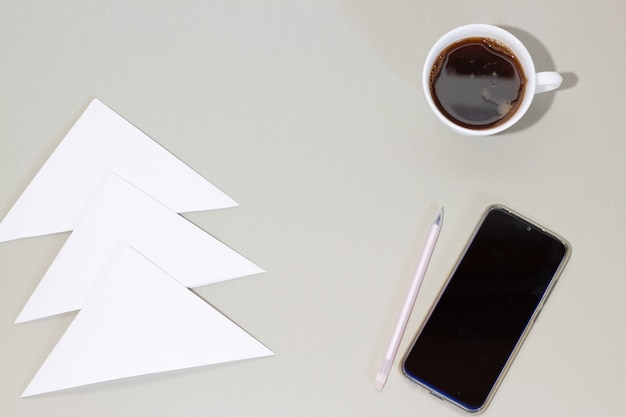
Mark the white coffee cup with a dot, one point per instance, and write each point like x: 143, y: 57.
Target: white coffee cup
x: 535, y: 82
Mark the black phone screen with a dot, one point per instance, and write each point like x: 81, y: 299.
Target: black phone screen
x: 488, y: 304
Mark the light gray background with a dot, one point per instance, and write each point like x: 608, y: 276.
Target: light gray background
x: 311, y: 116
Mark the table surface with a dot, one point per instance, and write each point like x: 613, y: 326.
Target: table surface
x: 312, y: 117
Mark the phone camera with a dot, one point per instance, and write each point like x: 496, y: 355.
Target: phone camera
x: 528, y: 228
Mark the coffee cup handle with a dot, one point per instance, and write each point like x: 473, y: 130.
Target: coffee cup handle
x: 547, y: 81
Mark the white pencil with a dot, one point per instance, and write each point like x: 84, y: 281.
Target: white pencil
x: 409, y: 301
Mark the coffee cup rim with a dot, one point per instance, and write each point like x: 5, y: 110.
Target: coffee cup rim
x: 487, y: 31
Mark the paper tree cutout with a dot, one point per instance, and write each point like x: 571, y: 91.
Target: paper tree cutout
x: 120, y: 215
x: 99, y: 142
x: 156, y: 325
x: 129, y: 259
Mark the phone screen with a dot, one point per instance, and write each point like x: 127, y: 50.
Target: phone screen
x: 489, y: 303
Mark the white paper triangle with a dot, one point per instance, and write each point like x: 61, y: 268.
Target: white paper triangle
x: 120, y: 215
x: 99, y: 142
x: 137, y: 321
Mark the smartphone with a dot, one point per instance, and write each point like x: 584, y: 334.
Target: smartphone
x: 486, y: 308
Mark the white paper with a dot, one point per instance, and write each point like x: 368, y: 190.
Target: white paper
x: 119, y: 215
x: 138, y: 320
x: 99, y: 142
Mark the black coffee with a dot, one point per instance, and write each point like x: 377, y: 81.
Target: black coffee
x: 477, y: 83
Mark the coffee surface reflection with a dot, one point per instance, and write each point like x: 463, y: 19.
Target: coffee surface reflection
x: 477, y: 83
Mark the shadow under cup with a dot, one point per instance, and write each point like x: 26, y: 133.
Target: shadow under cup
x: 479, y: 79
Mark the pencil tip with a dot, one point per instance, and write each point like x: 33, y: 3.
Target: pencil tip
x: 439, y: 218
